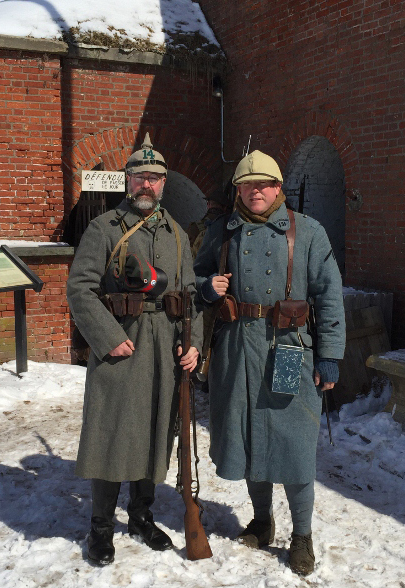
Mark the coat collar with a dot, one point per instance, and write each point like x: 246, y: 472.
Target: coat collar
x: 124, y: 211
x: 278, y: 220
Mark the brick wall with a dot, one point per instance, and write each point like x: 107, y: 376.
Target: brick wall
x: 31, y: 187
x: 335, y: 69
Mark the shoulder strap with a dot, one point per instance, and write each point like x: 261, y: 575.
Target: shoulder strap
x: 124, y: 237
x: 178, y: 242
x: 290, y: 234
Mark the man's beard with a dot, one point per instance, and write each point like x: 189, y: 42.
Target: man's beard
x: 145, y: 198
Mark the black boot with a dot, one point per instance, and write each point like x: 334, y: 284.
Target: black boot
x: 100, y: 543
x: 140, y: 521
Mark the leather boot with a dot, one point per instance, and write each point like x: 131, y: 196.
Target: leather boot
x: 142, y: 524
x: 302, y: 558
x: 142, y: 493
x: 258, y: 533
x: 100, y: 542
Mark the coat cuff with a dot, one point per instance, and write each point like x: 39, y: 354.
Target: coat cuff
x: 207, y: 291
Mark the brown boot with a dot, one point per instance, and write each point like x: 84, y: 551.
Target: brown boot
x: 258, y: 533
x: 302, y: 558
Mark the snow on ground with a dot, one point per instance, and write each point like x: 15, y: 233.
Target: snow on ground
x: 359, y: 520
x: 132, y: 19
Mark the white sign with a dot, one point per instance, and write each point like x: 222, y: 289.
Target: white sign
x: 103, y: 181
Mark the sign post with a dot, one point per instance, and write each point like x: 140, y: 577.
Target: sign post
x: 17, y: 277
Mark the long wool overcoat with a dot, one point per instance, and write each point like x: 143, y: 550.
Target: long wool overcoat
x: 130, y: 403
x: 256, y: 433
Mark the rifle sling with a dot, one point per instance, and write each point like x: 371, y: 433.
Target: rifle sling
x: 226, y: 237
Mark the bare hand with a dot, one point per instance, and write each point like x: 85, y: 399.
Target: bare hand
x: 326, y: 385
x: 221, y: 283
x: 123, y: 349
x: 189, y: 360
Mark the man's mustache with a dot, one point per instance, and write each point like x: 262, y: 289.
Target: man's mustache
x: 145, y: 192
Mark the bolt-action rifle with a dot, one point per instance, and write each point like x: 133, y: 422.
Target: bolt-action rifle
x: 197, y: 545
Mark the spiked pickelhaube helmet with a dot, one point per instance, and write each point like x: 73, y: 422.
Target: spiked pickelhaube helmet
x: 146, y: 159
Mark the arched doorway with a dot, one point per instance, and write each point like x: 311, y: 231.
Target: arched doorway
x: 314, y: 184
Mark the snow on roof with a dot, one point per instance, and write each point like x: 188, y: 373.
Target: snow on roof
x: 156, y: 25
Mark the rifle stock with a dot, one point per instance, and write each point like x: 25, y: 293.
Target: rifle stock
x: 197, y: 545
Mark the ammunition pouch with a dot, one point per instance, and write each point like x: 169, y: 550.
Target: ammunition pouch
x: 290, y: 313
x: 124, y: 303
x: 135, y: 303
x: 174, y: 304
x: 228, y: 311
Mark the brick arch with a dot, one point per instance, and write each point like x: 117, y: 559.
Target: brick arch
x: 183, y: 153
x: 319, y: 123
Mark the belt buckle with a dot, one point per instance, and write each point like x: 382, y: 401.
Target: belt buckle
x: 259, y: 312
x: 158, y: 304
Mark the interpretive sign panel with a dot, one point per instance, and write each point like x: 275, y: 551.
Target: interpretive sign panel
x: 16, y: 276
x: 11, y: 275
x: 103, y: 181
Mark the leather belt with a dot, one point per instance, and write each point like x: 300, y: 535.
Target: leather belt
x: 255, y: 310
x: 153, y: 305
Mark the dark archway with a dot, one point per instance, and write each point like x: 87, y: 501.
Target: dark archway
x: 314, y: 183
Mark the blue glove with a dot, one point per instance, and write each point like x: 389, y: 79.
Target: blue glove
x: 328, y: 369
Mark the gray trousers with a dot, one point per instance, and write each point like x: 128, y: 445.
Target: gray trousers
x: 300, y: 499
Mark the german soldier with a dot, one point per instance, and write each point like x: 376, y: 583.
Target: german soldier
x: 125, y: 303
x: 265, y: 397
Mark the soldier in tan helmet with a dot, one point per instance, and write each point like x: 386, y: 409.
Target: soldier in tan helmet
x: 265, y: 397
x: 129, y: 262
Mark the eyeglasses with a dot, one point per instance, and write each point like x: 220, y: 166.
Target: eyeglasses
x: 141, y: 179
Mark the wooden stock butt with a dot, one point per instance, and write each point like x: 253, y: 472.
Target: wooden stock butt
x: 197, y: 545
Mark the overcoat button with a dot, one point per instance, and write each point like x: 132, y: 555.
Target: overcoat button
x: 245, y: 252
x: 157, y: 255
x: 249, y: 233
x: 268, y: 291
x: 268, y: 253
x: 273, y: 235
x: 268, y: 272
x: 247, y: 289
x: 247, y: 324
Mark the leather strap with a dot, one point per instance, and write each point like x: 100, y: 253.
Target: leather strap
x: 290, y: 234
x: 255, y: 310
x: 125, y: 237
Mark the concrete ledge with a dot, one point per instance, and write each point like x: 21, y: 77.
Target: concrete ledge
x: 32, y: 44
x: 44, y: 251
x: 119, y: 55
x: 98, y: 53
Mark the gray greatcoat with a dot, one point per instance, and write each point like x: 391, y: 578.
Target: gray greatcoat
x: 130, y: 403
x: 256, y: 433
